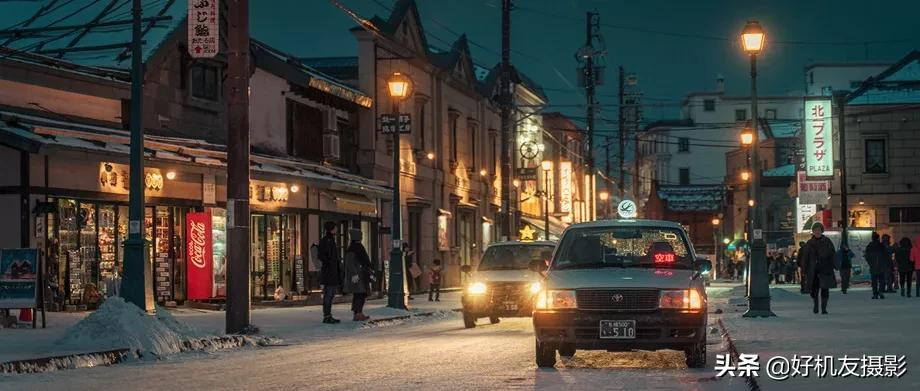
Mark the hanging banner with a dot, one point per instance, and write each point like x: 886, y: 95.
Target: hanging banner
x: 19, y: 278
x: 198, y: 255
x: 812, y: 192
x: 443, y: 242
x: 203, y: 28
x: 565, y: 190
x: 819, y: 139
x: 804, y: 213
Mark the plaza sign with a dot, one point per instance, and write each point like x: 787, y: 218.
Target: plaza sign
x: 819, y: 139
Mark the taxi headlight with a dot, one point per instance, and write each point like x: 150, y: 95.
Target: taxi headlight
x: 476, y: 288
x: 556, y: 299
x: 536, y: 287
x: 684, y: 299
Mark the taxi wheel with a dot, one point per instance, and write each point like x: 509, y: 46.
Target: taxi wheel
x: 468, y: 321
x: 494, y: 319
x: 567, y: 350
x: 696, y: 356
x: 546, y: 355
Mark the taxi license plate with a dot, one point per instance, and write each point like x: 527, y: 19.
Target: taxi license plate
x: 511, y: 306
x: 618, y: 329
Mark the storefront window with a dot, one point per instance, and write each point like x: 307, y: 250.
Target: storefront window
x: 68, y: 249
x: 107, y: 248
x: 88, y: 253
x: 219, y: 251
x: 258, y: 253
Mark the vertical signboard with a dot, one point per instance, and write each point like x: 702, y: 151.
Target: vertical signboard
x: 18, y: 278
x: 803, y: 214
x: 199, y: 236
x: 812, y: 192
x: 819, y: 139
x: 443, y: 242
x: 565, y: 190
x: 203, y: 28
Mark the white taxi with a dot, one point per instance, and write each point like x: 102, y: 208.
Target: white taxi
x: 620, y: 285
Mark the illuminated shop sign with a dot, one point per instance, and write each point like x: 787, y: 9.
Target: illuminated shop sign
x: 819, y: 139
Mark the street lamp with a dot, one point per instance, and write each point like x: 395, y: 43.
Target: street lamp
x: 747, y: 136
x: 745, y: 175
x: 604, y: 196
x: 715, y: 246
x: 546, y: 165
x: 400, y: 88
x: 752, y: 41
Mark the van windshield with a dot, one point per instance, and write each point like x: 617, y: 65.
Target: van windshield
x: 588, y: 248
x: 514, y: 257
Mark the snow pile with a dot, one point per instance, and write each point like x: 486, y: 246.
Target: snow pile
x: 118, y: 325
x: 786, y: 294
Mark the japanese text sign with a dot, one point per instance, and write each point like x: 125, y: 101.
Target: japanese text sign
x: 203, y: 28
x: 819, y: 139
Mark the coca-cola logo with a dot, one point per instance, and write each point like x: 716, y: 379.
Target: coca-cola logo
x: 196, y: 243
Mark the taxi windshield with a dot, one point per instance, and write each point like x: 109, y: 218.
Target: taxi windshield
x: 513, y: 257
x: 588, y: 248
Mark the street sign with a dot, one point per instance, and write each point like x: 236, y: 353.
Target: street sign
x: 203, y: 28
x: 758, y: 234
x: 388, y: 123
x: 527, y: 173
x: 627, y: 209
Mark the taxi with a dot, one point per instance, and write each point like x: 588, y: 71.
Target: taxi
x: 621, y: 285
x: 504, y: 283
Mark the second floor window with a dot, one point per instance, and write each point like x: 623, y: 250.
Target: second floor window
x: 419, y: 124
x: 304, y: 128
x: 453, y: 122
x: 770, y: 114
x: 876, y: 162
x: 741, y: 115
x: 709, y: 105
x: 205, y: 82
x: 684, y: 176
x: 683, y: 144
x: 474, y: 138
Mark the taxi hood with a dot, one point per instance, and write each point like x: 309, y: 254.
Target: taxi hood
x: 487, y: 276
x: 619, y: 278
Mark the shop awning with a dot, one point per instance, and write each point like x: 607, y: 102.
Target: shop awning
x: 555, y: 226
x: 353, y: 203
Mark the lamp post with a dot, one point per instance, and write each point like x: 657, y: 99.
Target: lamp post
x: 546, y: 165
x: 747, y: 142
x: 752, y: 41
x: 400, y: 88
x: 605, y: 197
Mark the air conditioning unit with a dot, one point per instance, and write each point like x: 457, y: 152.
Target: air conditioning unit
x: 331, y: 147
x: 330, y: 121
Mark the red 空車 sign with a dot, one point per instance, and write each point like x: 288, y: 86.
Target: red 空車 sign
x: 198, y: 255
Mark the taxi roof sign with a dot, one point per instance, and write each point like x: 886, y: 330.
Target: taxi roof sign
x: 627, y: 209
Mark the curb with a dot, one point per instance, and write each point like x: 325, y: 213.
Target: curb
x: 403, y: 317
x: 116, y: 356
x: 733, y: 350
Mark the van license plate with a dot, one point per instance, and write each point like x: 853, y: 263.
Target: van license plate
x: 618, y: 329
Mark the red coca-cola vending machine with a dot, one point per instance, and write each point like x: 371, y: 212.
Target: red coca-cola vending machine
x: 199, y: 255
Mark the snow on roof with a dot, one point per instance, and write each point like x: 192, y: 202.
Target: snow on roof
x: 898, y: 84
x: 691, y: 198
x: 781, y: 171
x: 89, y: 33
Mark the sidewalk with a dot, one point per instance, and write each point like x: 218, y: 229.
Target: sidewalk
x: 291, y: 325
x: 855, y: 326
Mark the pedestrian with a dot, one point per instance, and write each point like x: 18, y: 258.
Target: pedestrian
x: 774, y: 269
x: 905, y: 265
x: 408, y: 258
x: 790, y: 268
x: 915, y: 257
x: 330, y: 272
x: 889, y: 264
x: 358, y: 274
x: 875, y: 257
x: 434, y: 280
x: 800, y: 266
x: 844, y: 262
x: 818, y: 258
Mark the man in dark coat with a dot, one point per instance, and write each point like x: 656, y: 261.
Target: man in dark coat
x: 890, y: 282
x: 357, y: 274
x: 875, y: 256
x: 818, y: 258
x: 800, y: 265
x: 845, y: 265
x: 330, y: 272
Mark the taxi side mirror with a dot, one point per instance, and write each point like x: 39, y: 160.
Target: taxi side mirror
x: 466, y: 269
x: 703, y: 266
x: 538, y: 265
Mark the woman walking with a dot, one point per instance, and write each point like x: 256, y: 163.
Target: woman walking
x: 357, y: 274
x: 875, y: 256
x: 905, y: 266
x: 818, y: 260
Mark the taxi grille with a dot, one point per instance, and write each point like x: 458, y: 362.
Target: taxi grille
x: 617, y: 299
x: 507, y: 292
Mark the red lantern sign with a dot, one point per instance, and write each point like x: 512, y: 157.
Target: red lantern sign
x: 198, y: 255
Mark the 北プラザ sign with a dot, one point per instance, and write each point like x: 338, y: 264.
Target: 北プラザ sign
x: 819, y: 139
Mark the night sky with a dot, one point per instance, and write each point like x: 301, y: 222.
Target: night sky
x: 674, y: 46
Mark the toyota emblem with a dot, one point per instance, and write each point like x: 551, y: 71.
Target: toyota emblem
x: 617, y: 297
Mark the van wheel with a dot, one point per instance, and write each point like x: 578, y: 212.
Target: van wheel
x: 567, y: 350
x: 696, y: 356
x: 468, y: 320
x: 494, y: 319
x: 546, y: 355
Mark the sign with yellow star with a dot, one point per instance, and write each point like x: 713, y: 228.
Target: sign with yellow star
x: 527, y: 233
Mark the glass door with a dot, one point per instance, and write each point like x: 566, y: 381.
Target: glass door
x: 107, y: 248
x: 274, y: 250
x: 89, y: 255
x: 69, y: 250
x: 258, y: 256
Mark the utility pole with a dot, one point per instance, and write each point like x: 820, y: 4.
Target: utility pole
x: 238, y: 296
x: 136, y: 286
x: 586, y: 54
x: 841, y: 131
x: 622, y: 134
x: 506, y: 139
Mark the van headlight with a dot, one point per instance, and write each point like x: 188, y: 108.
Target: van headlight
x: 684, y: 299
x: 536, y: 287
x: 476, y: 288
x: 555, y: 300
